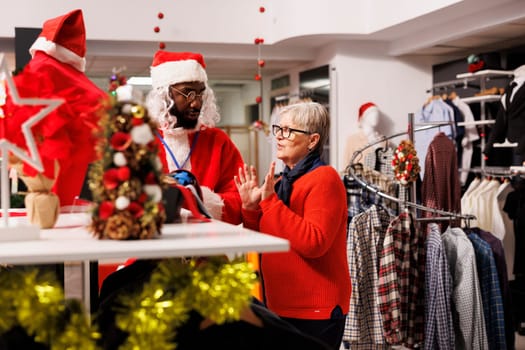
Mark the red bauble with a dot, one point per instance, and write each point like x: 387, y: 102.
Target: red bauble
x: 160, y: 15
x: 258, y: 99
x: 258, y: 77
x: 262, y: 9
x: 106, y: 209
x: 162, y: 46
x: 261, y: 63
x: 156, y: 29
x: 256, y: 41
x: 261, y: 40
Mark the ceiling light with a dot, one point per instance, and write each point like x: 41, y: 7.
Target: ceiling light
x: 139, y: 81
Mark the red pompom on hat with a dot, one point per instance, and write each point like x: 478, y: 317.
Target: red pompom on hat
x: 170, y: 68
x: 364, y: 107
x: 64, y: 38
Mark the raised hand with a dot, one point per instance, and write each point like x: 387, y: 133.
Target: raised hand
x: 248, y: 188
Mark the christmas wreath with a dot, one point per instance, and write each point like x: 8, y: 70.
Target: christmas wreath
x: 405, y: 163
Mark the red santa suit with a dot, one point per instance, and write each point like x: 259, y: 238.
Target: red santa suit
x: 214, y: 160
x: 67, y: 134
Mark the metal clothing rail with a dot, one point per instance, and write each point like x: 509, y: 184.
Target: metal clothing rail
x: 443, y: 215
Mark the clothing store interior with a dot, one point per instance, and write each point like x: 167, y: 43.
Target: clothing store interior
x: 426, y: 101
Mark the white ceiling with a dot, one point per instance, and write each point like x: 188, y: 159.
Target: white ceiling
x: 239, y: 62
x: 472, y: 26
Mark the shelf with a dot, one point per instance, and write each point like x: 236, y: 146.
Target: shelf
x: 477, y: 122
x: 486, y: 73
x: 70, y: 241
x: 482, y: 98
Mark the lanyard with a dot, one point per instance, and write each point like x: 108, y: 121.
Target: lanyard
x: 171, y: 152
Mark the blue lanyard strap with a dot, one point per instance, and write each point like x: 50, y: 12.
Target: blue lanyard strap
x: 171, y: 152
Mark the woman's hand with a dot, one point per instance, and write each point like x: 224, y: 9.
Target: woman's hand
x: 247, y: 185
x: 248, y: 188
x: 268, y: 187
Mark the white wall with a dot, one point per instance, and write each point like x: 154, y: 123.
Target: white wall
x: 396, y: 85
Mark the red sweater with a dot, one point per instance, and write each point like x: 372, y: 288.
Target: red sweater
x: 215, y: 160
x: 308, y: 281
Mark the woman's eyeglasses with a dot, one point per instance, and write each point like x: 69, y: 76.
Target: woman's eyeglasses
x: 286, y: 132
x: 190, y: 96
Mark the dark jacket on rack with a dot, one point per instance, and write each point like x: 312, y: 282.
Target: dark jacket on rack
x: 510, y: 122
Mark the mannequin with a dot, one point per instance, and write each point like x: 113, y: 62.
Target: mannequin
x: 510, y: 120
x: 368, y: 120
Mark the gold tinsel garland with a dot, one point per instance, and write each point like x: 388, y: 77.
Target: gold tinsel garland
x: 214, y: 287
x: 35, y: 302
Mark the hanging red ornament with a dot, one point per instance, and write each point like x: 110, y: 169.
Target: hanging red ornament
x: 156, y: 29
x: 160, y: 15
x: 257, y: 41
x: 162, y: 46
x: 261, y: 40
x: 261, y: 63
x: 262, y: 9
x: 258, y: 77
x: 258, y: 99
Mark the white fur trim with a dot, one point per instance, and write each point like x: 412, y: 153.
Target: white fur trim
x: 180, y: 146
x: 170, y: 73
x: 58, y: 52
x: 213, y: 202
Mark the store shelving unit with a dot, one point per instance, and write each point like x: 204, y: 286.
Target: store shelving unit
x: 482, y: 77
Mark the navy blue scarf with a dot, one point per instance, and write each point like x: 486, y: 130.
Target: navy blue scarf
x: 283, y: 188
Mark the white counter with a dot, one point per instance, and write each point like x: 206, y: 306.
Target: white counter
x: 70, y: 241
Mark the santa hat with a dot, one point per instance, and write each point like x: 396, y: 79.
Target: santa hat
x: 170, y: 68
x: 365, y: 107
x: 64, y: 38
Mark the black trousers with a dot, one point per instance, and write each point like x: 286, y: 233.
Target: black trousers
x: 329, y: 331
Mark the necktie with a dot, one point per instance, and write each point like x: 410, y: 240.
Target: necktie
x: 508, y: 94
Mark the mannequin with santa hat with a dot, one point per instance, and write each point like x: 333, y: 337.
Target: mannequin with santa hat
x: 184, y: 106
x: 66, y: 135
x: 367, y: 122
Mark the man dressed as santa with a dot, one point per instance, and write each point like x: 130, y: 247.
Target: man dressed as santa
x: 184, y: 106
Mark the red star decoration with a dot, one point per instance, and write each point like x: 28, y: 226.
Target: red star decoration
x: 31, y: 155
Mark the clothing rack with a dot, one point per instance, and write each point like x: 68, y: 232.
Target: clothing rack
x: 438, y: 213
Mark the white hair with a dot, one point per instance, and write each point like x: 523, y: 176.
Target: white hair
x: 159, y: 103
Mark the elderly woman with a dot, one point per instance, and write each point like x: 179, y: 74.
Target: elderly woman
x: 309, y: 286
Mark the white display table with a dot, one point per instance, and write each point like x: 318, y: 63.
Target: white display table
x: 70, y: 241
